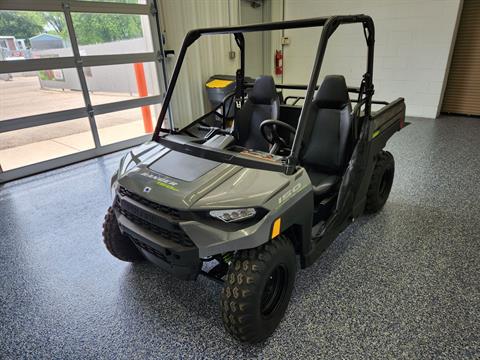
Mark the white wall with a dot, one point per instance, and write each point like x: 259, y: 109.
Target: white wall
x: 413, y: 40
x: 206, y: 57
x: 276, y: 37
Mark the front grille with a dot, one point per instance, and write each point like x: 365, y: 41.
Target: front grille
x: 178, y: 235
x: 173, y: 213
x: 171, y: 232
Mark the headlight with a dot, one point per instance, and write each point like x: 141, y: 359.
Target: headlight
x: 233, y: 215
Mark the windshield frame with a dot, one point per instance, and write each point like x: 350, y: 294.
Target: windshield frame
x: 329, y: 24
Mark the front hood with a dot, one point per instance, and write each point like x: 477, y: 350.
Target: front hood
x: 247, y: 188
x: 183, y: 181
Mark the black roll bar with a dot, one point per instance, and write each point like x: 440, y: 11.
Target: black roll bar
x: 330, y: 24
x: 328, y: 29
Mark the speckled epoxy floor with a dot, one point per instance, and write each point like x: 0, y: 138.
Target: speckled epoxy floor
x: 404, y: 283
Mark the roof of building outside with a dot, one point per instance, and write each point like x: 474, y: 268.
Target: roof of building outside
x: 46, y: 36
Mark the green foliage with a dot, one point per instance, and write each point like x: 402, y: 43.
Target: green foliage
x: 18, y: 24
x: 89, y: 28
x: 55, y: 21
x: 121, y: 1
x: 100, y: 28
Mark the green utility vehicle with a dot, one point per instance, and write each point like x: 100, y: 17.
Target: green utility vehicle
x: 248, y: 200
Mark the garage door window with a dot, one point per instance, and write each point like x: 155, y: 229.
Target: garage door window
x: 78, y: 79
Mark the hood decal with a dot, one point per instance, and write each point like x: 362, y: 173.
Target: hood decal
x: 160, y: 181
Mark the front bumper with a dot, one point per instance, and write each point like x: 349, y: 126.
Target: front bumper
x: 158, y: 238
x: 182, y: 262
x: 176, y: 241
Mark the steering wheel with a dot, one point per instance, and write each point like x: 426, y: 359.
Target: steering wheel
x: 269, y: 130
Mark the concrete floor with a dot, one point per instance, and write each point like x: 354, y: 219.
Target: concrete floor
x: 400, y: 284
x: 23, y: 96
x: 41, y: 150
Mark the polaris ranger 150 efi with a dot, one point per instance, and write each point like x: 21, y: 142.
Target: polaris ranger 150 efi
x: 243, y: 204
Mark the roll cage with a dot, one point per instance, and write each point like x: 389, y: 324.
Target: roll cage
x: 329, y: 24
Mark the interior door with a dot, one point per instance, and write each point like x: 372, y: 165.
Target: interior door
x: 462, y: 94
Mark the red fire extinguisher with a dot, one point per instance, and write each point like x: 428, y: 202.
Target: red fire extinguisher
x: 278, y: 62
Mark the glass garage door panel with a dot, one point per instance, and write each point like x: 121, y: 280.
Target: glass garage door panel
x: 122, y: 1
x: 37, y: 103
x: 112, y: 83
x: 29, y: 146
x: 107, y: 34
x: 126, y: 124
x: 33, y: 34
x: 38, y: 92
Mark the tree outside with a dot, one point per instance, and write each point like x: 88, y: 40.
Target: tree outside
x: 18, y: 24
x: 89, y: 28
x: 101, y: 28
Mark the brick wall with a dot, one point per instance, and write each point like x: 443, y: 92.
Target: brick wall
x: 413, y: 41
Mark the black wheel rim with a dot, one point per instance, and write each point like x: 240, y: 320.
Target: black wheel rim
x: 385, y: 183
x: 274, y: 290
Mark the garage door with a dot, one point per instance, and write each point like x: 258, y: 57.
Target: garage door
x: 78, y: 79
x: 462, y: 95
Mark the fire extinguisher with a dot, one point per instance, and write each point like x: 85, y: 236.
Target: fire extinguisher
x: 278, y: 62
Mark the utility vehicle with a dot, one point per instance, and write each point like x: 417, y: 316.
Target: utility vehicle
x: 247, y: 204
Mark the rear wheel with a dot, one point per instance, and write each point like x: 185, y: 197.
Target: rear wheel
x: 257, y: 290
x: 381, y: 182
x: 118, y: 244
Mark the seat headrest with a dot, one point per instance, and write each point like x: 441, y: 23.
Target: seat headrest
x: 333, y: 93
x: 263, y: 91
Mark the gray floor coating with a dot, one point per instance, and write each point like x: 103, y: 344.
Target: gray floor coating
x: 400, y: 284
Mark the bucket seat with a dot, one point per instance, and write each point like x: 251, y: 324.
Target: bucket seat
x: 325, y: 151
x: 262, y: 104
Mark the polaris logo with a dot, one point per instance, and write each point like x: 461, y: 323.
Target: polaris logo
x: 160, y: 178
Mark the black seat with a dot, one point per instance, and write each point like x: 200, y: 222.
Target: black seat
x: 262, y: 104
x: 329, y: 129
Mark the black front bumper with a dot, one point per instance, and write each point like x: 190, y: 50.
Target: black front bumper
x: 158, y: 237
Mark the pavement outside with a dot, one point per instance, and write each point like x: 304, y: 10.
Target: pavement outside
x: 23, y: 96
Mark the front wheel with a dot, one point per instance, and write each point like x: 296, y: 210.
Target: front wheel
x: 257, y: 290
x: 381, y: 182
x: 116, y: 243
